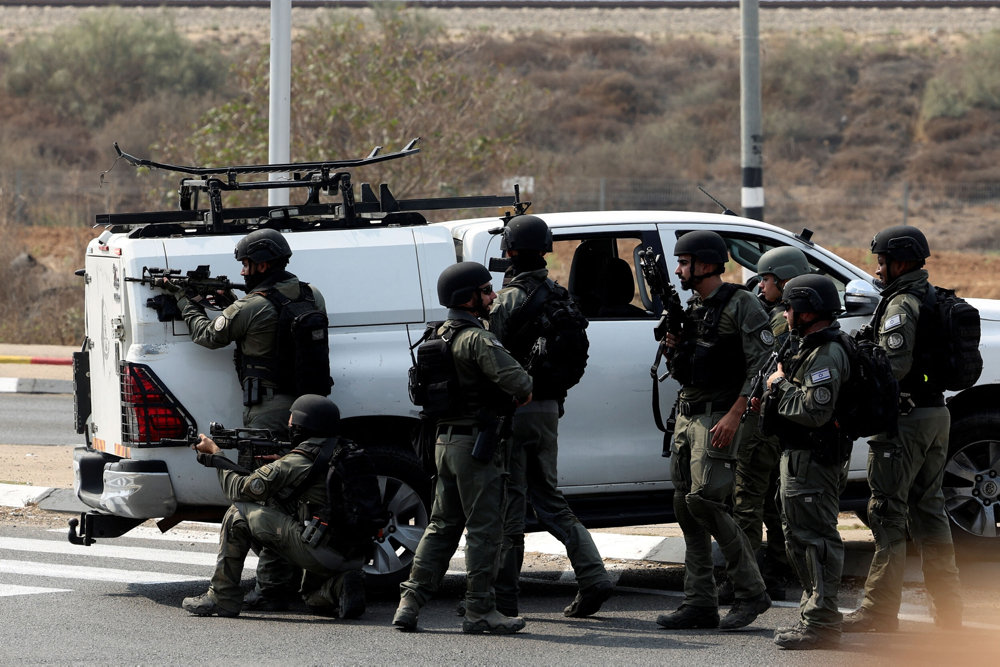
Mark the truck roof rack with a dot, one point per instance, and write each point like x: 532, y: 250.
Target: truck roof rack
x: 314, y: 177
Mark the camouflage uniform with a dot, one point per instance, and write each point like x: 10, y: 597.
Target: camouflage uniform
x: 702, y: 474
x: 905, y: 471
x: 259, y: 515
x: 252, y: 323
x: 813, y: 475
x: 534, y: 452
x: 468, y: 496
x: 756, y: 484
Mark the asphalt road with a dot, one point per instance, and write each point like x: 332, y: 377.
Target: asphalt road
x: 118, y: 602
x: 37, y: 419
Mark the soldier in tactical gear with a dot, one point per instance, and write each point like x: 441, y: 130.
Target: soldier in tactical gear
x: 468, y: 496
x: 756, y: 482
x: 251, y: 322
x: 726, y: 341
x: 803, y: 394
x: 534, y: 446
x: 270, y: 507
x: 905, y: 471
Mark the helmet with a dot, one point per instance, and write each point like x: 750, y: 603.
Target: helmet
x: 704, y: 246
x: 316, y: 415
x: 812, y: 293
x: 458, y: 282
x: 783, y: 262
x: 263, y: 245
x: 526, y: 232
x: 902, y: 243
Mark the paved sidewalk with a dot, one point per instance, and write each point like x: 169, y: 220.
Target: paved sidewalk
x: 29, y: 369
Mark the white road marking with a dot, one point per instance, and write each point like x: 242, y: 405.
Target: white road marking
x: 7, y: 590
x: 88, y: 554
x: 80, y: 572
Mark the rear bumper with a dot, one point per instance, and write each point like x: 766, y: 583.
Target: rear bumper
x: 123, y: 487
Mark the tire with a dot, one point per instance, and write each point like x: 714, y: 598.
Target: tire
x: 972, y: 477
x: 406, y: 492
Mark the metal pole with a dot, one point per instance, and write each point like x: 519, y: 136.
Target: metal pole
x: 279, y: 111
x: 752, y: 194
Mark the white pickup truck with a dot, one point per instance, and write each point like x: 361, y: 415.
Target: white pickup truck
x: 142, y: 385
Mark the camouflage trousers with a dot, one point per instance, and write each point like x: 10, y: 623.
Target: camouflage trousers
x: 754, y: 495
x: 703, y: 482
x: 905, y: 474
x: 533, y: 477
x: 276, y: 577
x: 246, y: 524
x: 810, y: 505
x: 468, y: 497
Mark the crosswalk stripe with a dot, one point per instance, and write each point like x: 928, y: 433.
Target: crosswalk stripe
x: 195, y: 558
x: 7, y: 590
x: 80, y: 572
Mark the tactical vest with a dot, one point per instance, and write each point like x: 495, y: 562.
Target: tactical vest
x: 707, y: 359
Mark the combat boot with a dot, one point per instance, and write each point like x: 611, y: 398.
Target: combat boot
x: 689, y: 618
x: 804, y: 638
x: 863, y: 620
x: 745, y: 611
x: 405, y: 619
x: 206, y: 605
x: 258, y: 601
x: 351, y: 599
x: 492, y: 622
x: 589, y: 600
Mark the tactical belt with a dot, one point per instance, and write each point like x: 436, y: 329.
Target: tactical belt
x: 688, y: 409
x: 450, y: 431
x: 908, y: 402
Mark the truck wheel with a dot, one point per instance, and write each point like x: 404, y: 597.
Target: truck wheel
x: 972, y: 476
x: 406, y: 492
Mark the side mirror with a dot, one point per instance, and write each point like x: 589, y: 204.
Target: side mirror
x: 860, y: 298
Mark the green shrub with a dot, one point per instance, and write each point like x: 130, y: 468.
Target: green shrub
x: 106, y: 63
x: 969, y: 81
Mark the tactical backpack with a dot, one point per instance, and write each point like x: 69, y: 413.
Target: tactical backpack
x: 868, y: 403
x: 433, y: 381
x: 354, y: 512
x: 302, y: 344
x: 955, y: 360
x: 548, y: 335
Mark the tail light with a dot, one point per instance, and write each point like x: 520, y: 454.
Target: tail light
x: 150, y: 413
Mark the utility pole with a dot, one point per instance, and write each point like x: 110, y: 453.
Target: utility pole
x: 752, y: 137
x: 279, y: 109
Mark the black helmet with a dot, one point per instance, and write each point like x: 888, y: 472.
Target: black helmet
x: 704, y: 246
x: 315, y: 415
x: 902, y: 243
x: 783, y: 262
x: 458, y: 282
x: 526, y: 232
x: 812, y: 293
x: 263, y: 245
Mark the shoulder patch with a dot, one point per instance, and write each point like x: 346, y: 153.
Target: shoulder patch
x: 220, y: 323
x: 822, y: 375
x: 822, y: 395
x: 257, y: 486
x: 893, y: 322
x: 767, y: 336
x: 895, y: 341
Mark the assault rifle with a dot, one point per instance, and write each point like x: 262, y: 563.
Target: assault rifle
x: 255, y: 446
x: 199, y: 284
x: 672, y: 321
x: 759, y: 383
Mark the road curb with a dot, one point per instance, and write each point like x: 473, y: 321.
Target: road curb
x: 35, y: 386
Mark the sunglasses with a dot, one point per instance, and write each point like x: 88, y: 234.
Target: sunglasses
x: 486, y: 290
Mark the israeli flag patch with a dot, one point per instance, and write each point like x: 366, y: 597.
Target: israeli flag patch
x: 822, y: 375
x: 893, y: 322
